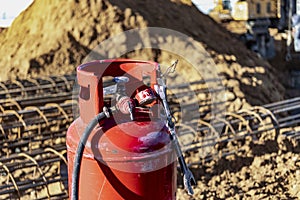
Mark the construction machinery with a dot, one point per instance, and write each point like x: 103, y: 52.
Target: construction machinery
x: 259, y: 15
x: 255, y: 9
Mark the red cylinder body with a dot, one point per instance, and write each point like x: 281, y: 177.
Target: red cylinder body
x: 123, y: 159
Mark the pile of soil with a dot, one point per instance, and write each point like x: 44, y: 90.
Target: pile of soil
x: 53, y: 37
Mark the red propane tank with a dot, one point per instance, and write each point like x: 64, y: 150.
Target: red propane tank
x: 124, y: 158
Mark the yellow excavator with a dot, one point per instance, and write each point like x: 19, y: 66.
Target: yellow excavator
x: 258, y: 15
x: 255, y: 9
x: 243, y: 10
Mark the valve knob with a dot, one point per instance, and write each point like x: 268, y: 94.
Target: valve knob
x: 145, y: 97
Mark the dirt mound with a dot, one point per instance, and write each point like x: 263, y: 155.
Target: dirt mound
x: 53, y: 37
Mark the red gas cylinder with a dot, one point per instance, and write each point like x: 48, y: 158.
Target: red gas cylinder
x: 124, y: 158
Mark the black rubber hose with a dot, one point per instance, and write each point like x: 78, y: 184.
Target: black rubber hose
x: 79, y: 153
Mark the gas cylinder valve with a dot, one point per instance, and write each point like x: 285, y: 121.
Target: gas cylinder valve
x: 124, y: 103
x: 120, y: 87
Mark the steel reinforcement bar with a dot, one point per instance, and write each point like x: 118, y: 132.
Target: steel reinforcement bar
x: 209, y: 139
x: 18, y: 89
x: 203, y: 140
x: 35, y: 127
x: 39, y: 174
x: 18, y: 94
x: 21, y: 93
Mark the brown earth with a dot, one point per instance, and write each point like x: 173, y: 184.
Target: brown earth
x: 53, y: 37
x: 287, y: 69
x: 261, y: 169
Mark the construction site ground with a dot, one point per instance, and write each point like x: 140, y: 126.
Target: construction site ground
x: 256, y: 152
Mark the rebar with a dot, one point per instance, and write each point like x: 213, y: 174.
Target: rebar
x: 18, y: 89
x: 35, y: 127
x: 36, y: 113
x: 39, y: 174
